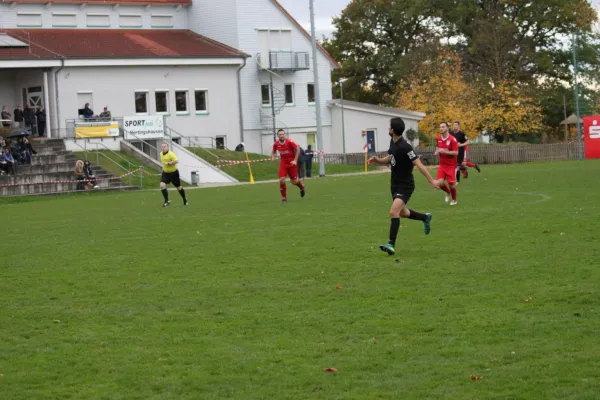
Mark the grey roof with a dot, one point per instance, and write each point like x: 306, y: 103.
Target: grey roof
x: 372, y: 107
x: 572, y: 120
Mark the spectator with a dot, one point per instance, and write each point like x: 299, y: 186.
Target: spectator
x: 19, y: 152
x: 6, y: 117
x: 41, y: 121
x: 28, y: 146
x: 87, y: 111
x: 301, y: 160
x: 19, y: 116
x: 308, y: 157
x: 240, y: 147
x: 7, y: 162
x: 29, y: 115
x: 79, y: 175
x: 89, y: 174
x: 105, y: 114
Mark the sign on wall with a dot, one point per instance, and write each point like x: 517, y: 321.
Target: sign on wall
x: 591, y: 133
x: 96, y: 129
x: 144, y: 127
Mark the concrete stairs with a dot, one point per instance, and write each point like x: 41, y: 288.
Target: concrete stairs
x: 53, y: 163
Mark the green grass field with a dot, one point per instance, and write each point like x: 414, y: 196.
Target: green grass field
x: 265, y: 170
x: 110, y: 296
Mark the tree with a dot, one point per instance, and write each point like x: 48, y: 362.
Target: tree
x: 373, y: 41
x: 437, y: 88
x: 508, y: 109
x: 517, y: 40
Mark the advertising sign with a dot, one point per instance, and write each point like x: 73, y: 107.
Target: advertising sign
x: 96, y: 129
x: 144, y: 127
x: 591, y: 136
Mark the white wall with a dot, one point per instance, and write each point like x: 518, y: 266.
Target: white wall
x: 113, y: 144
x: 9, y: 18
x: 189, y: 162
x: 357, y: 121
x: 214, y: 19
x: 115, y: 87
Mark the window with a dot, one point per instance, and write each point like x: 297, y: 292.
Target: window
x: 289, y: 95
x: 220, y: 142
x: 265, y: 91
x: 98, y: 20
x: 201, y: 101
x: 311, y: 92
x: 29, y: 19
x: 181, y: 100
x: 162, y: 101
x: 141, y: 102
x: 64, y: 20
x: 130, y: 21
x: 161, y: 21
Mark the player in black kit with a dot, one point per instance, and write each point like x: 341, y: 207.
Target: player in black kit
x: 463, y: 145
x: 402, y: 159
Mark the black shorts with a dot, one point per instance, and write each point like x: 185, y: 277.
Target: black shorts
x: 170, y: 177
x: 402, y: 192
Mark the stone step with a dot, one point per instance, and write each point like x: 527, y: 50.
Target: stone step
x: 20, y: 179
x: 57, y: 189
x: 47, y: 159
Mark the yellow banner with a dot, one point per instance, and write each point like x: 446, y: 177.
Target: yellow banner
x: 97, y: 129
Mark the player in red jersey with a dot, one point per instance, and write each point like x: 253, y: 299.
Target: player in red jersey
x: 447, y: 149
x: 288, y: 152
x: 463, y: 151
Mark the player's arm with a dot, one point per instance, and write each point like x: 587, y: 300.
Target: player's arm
x: 453, y: 151
x: 296, y: 155
x: 419, y: 165
x: 174, y: 161
x: 273, y: 153
x: 468, y: 142
x: 377, y: 160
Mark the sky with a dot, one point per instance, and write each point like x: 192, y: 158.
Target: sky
x: 325, y: 10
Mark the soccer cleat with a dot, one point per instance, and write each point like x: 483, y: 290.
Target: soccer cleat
x: 185, y: 202
x: 477, y: 168
x: 427, y: 223
x: 388, y: 248
x: 453, y: 202
x: 283, y: 201
x: 466, y: 175
x: 302, y: 192
x: 447, y: 200
x: 166, y: 203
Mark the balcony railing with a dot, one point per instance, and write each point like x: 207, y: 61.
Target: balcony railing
x: 289, y: 61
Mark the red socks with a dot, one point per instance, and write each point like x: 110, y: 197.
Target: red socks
x: 283, y: 190
x: 445, y: 188
x: 453, y: 193
x: 470, y: 165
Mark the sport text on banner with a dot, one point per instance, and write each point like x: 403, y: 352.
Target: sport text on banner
x: 146, y: 127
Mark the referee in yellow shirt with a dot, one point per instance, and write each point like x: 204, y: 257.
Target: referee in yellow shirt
x: 170, y: 174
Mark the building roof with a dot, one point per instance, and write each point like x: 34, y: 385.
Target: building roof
x: 295, y: 21
x: 110, y: 2
x: 572, y: 120
x: 377, y: 109
x: 113, y: 43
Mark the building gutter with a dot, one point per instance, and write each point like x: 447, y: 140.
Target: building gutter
x: 56, y: 101
x: 239, y: 84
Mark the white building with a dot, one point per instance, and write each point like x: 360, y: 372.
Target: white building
x: 367, y: 124
x: 281, y: 55
x: 216, y: 69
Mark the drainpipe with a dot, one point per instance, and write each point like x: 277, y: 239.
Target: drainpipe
x: 239, y: 82
x: 47, y: 104
x: 56, y: 102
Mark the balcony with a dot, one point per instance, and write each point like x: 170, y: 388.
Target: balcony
x: 289, y: 61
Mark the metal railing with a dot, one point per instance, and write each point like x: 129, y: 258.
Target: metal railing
x: 130, y: 166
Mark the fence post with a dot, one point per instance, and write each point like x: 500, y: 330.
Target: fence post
x: 142, y: 177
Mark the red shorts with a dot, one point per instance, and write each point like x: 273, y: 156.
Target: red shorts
x: 288, y: 170
x: 447, y: 173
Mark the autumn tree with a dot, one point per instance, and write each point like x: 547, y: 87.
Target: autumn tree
x: 374, y: 40
x: 438, y: 88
